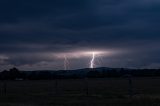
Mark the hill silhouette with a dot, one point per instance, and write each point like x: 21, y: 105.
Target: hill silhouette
x: 101, y: 72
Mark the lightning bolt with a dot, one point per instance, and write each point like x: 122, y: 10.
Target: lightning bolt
x: 66, y: 62
x: 92, y: 60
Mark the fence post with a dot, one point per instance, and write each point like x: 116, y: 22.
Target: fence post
x: 4, y: 87
x: 86, y: 86
x: 130, y: 86
x: 56, y: 86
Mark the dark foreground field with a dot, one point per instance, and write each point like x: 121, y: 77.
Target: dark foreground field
x: 81, y: 92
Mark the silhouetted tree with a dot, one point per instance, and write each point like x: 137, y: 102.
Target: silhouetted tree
x: 14, y: 73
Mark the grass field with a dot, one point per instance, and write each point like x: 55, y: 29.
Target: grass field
x: 81, y: 92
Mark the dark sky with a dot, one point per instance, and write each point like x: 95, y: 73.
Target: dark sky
x: 33, y: 33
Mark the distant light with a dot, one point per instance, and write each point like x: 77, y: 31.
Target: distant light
x: 96, y: 56
x: 92, y: 60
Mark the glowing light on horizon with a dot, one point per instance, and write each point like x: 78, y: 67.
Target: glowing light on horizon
x: 92, y: 60
x: 66, y: 63
x: 82, y: 54
x: 96, y: 56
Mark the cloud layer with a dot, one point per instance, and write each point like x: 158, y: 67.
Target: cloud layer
x: 32, y: 32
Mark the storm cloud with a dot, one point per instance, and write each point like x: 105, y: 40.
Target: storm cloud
x: 32, y: 32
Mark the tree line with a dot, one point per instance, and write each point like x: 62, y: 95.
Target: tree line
x: 16, y: 74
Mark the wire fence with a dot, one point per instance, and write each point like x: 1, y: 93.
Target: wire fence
x: 99, y: 86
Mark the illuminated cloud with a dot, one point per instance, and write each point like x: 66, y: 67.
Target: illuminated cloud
x: 36, y: 32
x: 84, y: 54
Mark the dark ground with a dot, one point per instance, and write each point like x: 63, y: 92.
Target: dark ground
x: 81, y: 92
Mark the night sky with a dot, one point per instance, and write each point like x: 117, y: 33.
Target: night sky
x: 36, y: 34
